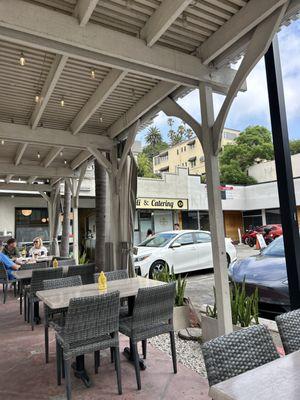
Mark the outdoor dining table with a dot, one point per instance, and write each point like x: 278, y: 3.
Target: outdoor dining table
x: 277, y: 380
x: 128, y: 288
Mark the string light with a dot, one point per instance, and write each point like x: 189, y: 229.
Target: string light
x: 62, y: 101
x: 93, y: 73
x: 2, y: 142
x: 37, y: 98
x: 61, y: 153
x: 38, y: 155
x: 65, y: 161
x: 100, y: 118
x: 22, y: 59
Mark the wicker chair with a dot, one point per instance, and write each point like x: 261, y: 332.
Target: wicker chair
x: 91, y: 325
x: 289, y: 330
x: 4, y: 279
x: 238, y: 352
x: 38, y: 276
x: 39, y: 265
x: 152, y: 316
x: 113, y: 275
x: 48, y: 312
x: 86, y: 271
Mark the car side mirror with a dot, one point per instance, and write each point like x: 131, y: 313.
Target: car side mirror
x: 175, y: 245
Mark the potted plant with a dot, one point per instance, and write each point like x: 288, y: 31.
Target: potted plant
x: 181, y: 314
x: 244, y: 310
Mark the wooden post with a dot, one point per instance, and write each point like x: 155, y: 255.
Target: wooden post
x: 215, y: 212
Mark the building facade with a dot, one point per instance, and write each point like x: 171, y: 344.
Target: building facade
x: 187, y: 154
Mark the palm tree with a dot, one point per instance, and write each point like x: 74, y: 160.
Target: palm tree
x: 153, y: 136
x: 100, y: 204
x: 64, y: 245
x: 189, y: 133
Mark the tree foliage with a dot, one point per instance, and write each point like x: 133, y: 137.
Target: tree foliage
x: 153, y: 136
x: 254, y: 144
x: 145, y: 168
x: 295, y: 146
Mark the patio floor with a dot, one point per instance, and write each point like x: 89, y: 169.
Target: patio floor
x: 25, y: 376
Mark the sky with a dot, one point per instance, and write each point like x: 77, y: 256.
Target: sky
x: 251, y: 107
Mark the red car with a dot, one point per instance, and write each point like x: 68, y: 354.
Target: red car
x: 270, y: 232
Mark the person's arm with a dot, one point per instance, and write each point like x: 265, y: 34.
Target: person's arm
x: 15, y: 267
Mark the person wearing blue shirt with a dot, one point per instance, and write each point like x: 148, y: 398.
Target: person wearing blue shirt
x: 9, y: 265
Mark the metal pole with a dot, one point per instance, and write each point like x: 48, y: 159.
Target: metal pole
x: 284, y: 172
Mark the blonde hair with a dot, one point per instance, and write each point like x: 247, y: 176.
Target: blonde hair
x: 39, y: 240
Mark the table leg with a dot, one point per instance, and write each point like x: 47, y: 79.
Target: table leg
x: 128, y: 353
x: 21, y: 295
x: 80, y: 372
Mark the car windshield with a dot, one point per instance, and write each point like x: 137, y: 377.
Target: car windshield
x: 275, y: 249
x: 159, y: 240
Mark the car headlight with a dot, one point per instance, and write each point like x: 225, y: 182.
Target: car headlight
x: 141, y: 258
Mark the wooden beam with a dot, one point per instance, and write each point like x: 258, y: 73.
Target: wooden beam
x: 50, y: 157
x: 49, y: 85
x: 149, y: 100
x: 36, y: 171
x: 25, y: 187
x: 45, y: 29
x: 52, y: 137
x: 162, y: 19
x: 101, y: 159
x: 8, y: 178
x: 84, y: 10
x: 21, y: 149
x: 31, y: 180
x: 251, y: 15
x: 105, y: 88
x: 80, y: 159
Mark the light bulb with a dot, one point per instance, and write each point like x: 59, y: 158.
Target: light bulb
x: 2, y: 142
x: 61, y: 153
x: 65, y: 161
x: 100, y: 118
x: 38, y: 155
x: 62, y: 101
x: 93, y: 73
x: 22, y: 59
x: 37, y: 98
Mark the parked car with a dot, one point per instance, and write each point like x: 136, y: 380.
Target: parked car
x: 267, y: 271
x: 185, y: 250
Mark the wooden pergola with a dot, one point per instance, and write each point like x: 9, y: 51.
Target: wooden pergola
x: 95, y: 72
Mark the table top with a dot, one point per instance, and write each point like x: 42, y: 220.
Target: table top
x: 276, y: 380
x: 60, y: 298
x: 27, y: 273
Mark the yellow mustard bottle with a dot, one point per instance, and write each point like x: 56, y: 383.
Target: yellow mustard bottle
x: 55, y: 263
x: 102, y: 282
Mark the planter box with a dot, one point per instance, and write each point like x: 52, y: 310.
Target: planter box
x: 209, y: 327
x: 181, y: 317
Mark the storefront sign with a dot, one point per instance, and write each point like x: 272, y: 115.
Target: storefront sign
x: 161, y: 203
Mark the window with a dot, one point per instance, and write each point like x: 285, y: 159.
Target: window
x: 35, y: 224
x: 181, y: 149
x: 193, y: 162
x: 185, y: 239
x: 202, y: 237
x: 184, y: 148
x: 177, y: 151
x: 159, y: 240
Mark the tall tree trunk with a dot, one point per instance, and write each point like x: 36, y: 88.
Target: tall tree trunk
x: 64, y: 246
x: 100, y: 206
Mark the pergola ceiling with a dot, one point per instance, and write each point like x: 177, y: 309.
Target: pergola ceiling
x: 141, y: 51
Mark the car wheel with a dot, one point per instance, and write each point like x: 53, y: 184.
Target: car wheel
x: 228, y: 259
x: 156, y: 267
x: 251, y: 242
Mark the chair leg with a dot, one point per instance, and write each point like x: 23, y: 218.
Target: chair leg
x: 111, y: 355
x: 173, y: 350
x: 136, y: 364
x: 67, y: 364
x: 63, y: 372
x: 15, y: 289
x: 46, y: 342
x: 144, y: 347
x: 4, y: 292
x: 58, y: 363
x: 21, y: 296
x: 25, y: 305
x: 97, y: 360
x: 118, y: 368
x: 31, y: 313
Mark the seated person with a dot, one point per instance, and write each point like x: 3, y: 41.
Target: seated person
x: 9, y: 265
x: 38, y: 249
x: 11, y: 250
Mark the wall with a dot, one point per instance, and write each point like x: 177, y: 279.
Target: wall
x: 266, y: 171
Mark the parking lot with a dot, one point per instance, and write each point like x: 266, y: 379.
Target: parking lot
x: 200, y: 284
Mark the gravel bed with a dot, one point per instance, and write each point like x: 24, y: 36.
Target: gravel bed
x: 188, y: 352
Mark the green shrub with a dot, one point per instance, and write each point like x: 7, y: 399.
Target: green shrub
x: 166, y: 276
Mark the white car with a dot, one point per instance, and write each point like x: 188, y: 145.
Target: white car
x: 185, y: 250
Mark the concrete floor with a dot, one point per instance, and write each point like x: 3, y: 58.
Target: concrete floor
x: 25, y: 376
x: 200, y: 284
